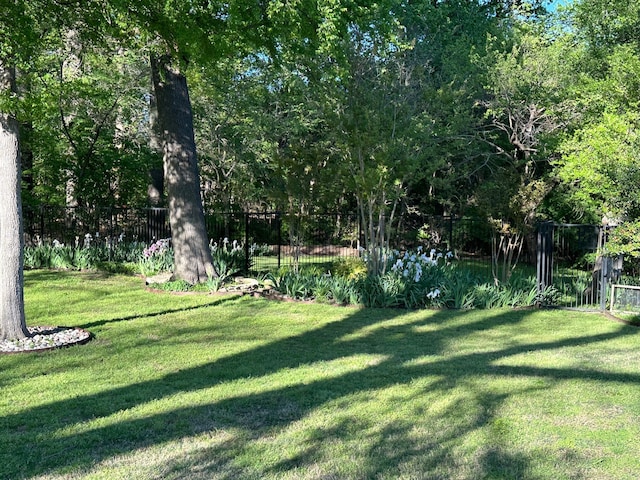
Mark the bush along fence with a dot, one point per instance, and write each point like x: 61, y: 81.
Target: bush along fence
x: 568, y: 269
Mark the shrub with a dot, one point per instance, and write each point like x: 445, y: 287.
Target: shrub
x: 174, y: 286
x: 352, y: 268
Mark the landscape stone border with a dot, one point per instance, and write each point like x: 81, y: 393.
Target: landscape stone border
x: 44, y: 338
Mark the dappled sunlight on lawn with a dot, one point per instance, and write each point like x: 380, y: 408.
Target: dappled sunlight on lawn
x: 257, y: 389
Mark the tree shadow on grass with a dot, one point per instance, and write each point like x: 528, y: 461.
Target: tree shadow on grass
x: 288, y: 418
x: 167, y: 311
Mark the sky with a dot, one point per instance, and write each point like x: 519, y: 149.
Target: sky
x: 554, y: 4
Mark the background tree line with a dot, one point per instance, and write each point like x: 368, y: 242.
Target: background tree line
x: 446, y: 107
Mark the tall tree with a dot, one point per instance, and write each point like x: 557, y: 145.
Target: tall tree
x: 17, y: 38
x: 598, y: 163
x: 12, y: 319
x: 193, y: 260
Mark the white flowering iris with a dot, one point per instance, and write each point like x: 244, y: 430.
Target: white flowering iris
x: 433, y: 294
x: 413, y: 267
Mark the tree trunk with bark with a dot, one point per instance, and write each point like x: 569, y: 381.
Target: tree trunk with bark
x: 192, y: 256
x: 12, y: 320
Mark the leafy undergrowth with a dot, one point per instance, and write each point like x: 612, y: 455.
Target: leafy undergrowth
x: 202, y: 387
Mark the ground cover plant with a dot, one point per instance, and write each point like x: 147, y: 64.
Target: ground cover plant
x: 220, y: 387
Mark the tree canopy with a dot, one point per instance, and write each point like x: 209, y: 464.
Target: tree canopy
x: 396, y: 109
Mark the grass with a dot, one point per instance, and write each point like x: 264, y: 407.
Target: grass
x: 213, y: 387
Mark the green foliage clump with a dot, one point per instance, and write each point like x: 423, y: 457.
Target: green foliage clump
x: 91, y: 254
x: 156, y: 258
x: 624, y: 240
x: 175, y: 286
x: 228, y: 258
x: 351, y: 268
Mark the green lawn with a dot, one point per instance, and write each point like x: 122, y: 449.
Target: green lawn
x: 210, y: 387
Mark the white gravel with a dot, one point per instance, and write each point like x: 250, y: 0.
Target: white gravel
x: 45, y: 338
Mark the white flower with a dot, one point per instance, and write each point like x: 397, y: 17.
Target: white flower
x: 434, y: 294
x: 449, y: 254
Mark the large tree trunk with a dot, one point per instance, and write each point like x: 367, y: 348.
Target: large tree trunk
x: 155, y: 188
x: 12, y: 320
x: 192, y: 256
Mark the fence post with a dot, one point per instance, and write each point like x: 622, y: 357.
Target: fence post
x: 605, y: 271
x: 544, y: 256
x: 111, y: 235
x: 247, y: 263
x: 604, y: 281
x: 42, y: 234
x: 279, y: 227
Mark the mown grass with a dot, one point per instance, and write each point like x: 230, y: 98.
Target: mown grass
x: 210, y: 387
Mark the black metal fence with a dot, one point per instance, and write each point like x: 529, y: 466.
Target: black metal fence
x: 567, y: 256
x: 270, y: 239
x: 572, y: 259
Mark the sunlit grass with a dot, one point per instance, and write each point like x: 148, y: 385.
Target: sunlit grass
x: 214, y: 387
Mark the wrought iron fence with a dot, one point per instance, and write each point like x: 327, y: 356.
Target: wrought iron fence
x: 270, y: 239
x: 567, y: 255
x: 572, y: 260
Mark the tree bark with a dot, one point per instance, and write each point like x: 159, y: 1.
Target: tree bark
x: 12, y: 319
x: 192, y: 256
x: 155, y: 188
